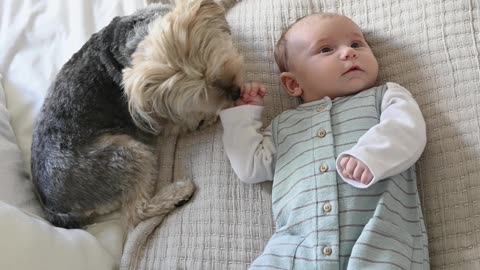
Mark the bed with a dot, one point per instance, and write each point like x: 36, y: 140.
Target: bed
x: 431, y: 47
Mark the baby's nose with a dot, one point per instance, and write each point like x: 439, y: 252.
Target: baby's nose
x: 348, y: 53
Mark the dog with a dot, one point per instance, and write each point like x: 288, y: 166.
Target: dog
x: 163, y: 70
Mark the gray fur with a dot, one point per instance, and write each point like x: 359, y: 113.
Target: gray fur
x: 85, y: 101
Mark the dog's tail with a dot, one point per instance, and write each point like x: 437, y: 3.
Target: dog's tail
x: 65, y: 220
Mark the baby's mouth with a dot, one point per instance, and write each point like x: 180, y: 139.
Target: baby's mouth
x: 352, y: 69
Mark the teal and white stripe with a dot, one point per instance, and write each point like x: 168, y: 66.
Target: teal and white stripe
x: 321, y: 221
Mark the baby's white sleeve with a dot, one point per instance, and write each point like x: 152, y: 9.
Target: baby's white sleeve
x: 396, y: 143
x: 251, y: 152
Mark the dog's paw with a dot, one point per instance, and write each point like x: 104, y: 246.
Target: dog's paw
x: 182, y: 202
x: 176, y: 193
x: 168, y: 199
x: 184, y: 190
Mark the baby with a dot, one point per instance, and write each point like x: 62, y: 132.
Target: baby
x: 342, y: 163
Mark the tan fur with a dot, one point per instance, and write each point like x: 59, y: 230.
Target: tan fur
x: 180, y: 69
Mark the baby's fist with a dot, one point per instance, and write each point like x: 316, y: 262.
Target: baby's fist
x: 352, y: 168
x: 252, y: 93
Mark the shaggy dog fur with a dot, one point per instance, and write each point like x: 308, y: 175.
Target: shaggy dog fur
x: 159, y: 71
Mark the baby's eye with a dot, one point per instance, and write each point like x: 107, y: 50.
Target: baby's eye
x: 356, y: 45
x: 326, y: 50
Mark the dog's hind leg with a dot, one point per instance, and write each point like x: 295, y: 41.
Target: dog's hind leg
x: 129, y: 166
x: 141, y: 202
x: 138, y: 171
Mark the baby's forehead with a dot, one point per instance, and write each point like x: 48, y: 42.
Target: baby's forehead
x: 325, y: 18
x: 321, y: 26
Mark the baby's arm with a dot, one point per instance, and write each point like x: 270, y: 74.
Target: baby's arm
x: 393, y: 145
x: 250, y: 152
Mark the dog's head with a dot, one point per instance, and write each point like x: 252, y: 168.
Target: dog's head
x: 185, y: 70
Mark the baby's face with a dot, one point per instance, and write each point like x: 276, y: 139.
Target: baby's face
x: 330, y: 57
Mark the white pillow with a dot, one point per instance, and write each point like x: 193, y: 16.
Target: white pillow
x: 28, y: 242
x: 15, y: 185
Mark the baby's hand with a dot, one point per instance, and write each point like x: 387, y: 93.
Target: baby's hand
x: 252, y: 93
x: 352, y: 168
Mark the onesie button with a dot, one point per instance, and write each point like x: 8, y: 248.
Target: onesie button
x: 321, y: 133
x: 321, y: 108
x: 327, y: 251
x: 324, y: 168
x: 327, y: 207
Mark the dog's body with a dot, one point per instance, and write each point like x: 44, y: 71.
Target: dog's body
x: 93, y: 148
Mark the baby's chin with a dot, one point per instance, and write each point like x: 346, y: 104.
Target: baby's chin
x: 355, y: 86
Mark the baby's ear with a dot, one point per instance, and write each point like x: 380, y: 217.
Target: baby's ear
x: 291, y: 85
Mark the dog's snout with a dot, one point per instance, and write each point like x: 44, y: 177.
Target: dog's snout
x: 229, y: 89
x: 235, y: 94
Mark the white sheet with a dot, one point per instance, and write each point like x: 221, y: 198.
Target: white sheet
x: 36, y: 39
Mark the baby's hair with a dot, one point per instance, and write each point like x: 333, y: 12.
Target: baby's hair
x: 281, y: 51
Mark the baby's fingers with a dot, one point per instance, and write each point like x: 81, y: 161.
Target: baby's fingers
x: 253, y: 89
x: 262, y: 90
x: 358, y: 172
x: 246, y: 89
x: 367, y: 177
x: 347, y: 165
x: 343, y: 161
x: 351, y: 165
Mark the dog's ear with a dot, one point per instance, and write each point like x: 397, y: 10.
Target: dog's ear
x: 141, y: 84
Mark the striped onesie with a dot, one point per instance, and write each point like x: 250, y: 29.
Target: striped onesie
x: 325, y: 221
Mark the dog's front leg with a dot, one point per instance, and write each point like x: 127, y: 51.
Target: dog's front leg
x: 169, y: 197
